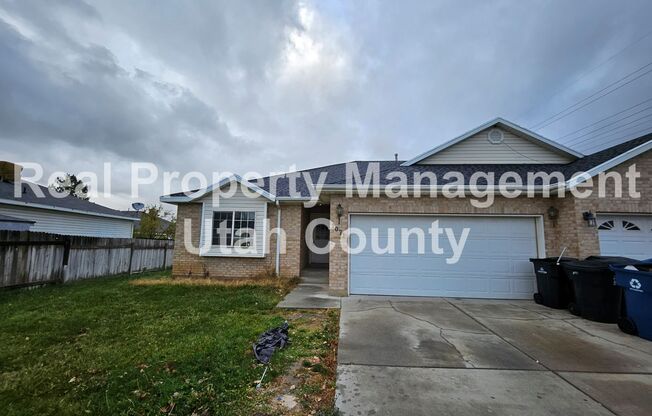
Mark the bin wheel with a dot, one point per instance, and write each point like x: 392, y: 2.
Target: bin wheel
x: 538, y: 299
x: 572, y: 308
x: 627, y: 325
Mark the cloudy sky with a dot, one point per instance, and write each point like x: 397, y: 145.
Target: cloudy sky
x: 270, y: 86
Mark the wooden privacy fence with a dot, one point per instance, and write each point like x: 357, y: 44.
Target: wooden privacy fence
x: 28, y: 258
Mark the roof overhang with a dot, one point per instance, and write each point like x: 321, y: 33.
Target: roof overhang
x: 423, y: 189
x: 193, y: 196
x: 13, y: 219
x: 570, y: 183
x: 62, y: 209
x: 521, y: 131
x: 611, y: 163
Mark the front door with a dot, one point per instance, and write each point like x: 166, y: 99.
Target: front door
x: 320, y: 237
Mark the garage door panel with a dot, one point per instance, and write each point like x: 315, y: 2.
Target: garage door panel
x: 494, y: 263
x: 523, y: 267
x: 620, y: 241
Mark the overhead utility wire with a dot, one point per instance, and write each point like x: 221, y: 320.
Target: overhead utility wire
x: 608, y: 125
x: 645, y: 130
x: 608, y: 117
x: 560, y: 115
x: 585, y: 73
x: 616, y: 132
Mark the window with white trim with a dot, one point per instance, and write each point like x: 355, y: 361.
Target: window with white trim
x: 630, y: 226
x: 233, y: 228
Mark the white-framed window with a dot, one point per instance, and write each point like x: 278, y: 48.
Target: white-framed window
x: 244, y: 227
x: 233, y: 228
x: 630, y: 226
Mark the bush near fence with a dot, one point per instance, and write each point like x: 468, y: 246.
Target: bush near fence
x: 28, y: 258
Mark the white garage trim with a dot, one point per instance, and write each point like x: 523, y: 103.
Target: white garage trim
x: 538, y: 220
x: 618, y: 240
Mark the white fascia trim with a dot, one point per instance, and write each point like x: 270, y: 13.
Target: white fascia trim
x: 486, y: 125
x: 70, y: 210
x: 233, y: 178
x: 624, y: 157
x: 174, y: 199
x: 542, y: 139
x: 412, y: 188
x: 293, y: 199
x: 621, y: 158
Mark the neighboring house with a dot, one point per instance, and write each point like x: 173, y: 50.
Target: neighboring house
x: 503, y: 236
x: 163, y: 224
x: 8, y: 223
x: 60, y: 215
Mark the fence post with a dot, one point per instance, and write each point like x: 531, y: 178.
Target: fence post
x: 165, y: 255
x: 131, y: 255
x: 66, y: 257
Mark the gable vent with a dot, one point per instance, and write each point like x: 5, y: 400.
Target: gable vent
x: 495, y: 136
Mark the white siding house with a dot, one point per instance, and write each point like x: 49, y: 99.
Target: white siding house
x: 53, y: 213
x: 70, y: 223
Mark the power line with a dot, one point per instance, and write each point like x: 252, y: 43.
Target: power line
x: 640, y: 132
x: 608, y: 117
x: 620, y: 129
x: 554, y: 118
x: 585, y: 73
x: 608, y: 125
x: 617, y: 132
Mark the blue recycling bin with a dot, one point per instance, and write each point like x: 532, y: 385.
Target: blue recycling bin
x: 637, y: 286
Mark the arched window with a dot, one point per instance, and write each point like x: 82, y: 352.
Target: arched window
x: 607, y: 225
x: 630, y: 226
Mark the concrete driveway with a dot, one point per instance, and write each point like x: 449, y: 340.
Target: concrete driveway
x: 435, y: 356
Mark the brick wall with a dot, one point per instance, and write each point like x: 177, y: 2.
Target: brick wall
x: 187, y: 264
x: 291, y: 222
x: 587, y: 237
x: 569, y: 230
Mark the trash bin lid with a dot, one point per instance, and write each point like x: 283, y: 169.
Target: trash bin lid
x: 612, y: 259
x: 589, y: 265
x: 554, y: 259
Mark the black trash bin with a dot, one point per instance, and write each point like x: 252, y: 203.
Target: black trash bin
x: 554, y: 289
x: 597, y: 298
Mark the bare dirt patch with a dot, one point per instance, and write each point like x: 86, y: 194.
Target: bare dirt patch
x: 307, y: 387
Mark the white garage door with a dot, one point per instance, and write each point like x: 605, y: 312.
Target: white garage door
x: 625, y: 235
x: 494, y: 262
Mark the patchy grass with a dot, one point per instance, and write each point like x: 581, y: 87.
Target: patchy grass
x: 282, y: 284
x: 155, y: 345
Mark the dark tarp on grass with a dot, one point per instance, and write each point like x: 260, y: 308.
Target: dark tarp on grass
x: 270, y: 341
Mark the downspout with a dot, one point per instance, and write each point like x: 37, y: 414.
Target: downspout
x: 277, y: 268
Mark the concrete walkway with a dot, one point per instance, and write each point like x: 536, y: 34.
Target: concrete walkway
x: 435, y: 356
x: 311, y: 293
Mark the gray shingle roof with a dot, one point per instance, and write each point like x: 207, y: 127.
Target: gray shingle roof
x: 29, y: 196
x: 336, y: 174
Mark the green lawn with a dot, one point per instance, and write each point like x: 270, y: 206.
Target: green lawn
x: 106, y: 346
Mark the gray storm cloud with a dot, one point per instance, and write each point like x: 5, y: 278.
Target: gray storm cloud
x: 261, y: 85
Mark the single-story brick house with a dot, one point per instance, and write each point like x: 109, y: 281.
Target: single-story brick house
x: 503, y: 235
